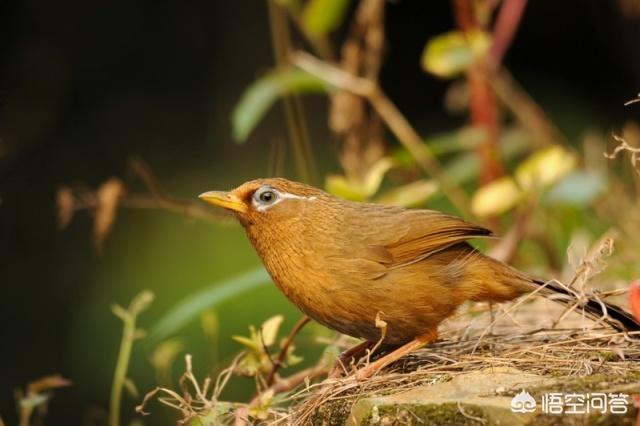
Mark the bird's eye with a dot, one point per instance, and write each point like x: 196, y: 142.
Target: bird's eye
x: 265, y: 196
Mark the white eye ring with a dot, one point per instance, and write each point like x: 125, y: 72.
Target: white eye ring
x: 265, y: 197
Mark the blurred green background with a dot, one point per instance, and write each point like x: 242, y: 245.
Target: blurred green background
x: 88, y: 84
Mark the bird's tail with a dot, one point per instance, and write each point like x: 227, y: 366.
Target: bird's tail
x: 507, y: 283
x: 595, y: 308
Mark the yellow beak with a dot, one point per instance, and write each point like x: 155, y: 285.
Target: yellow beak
x: 227, y: 200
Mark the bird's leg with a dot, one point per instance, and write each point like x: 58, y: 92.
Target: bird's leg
x: 345, y: 357
x: 416, y: 343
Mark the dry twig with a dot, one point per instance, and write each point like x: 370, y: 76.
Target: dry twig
x: 623, y: 146
x: 284, y: 351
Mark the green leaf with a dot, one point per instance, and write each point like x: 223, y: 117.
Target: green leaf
x: 249, y: 343
x: 450, y: 54
x: 496, y: 197
x: 262, y: 93
x: 191, y: 307
x: 320, y: 17
x: 293, y: 359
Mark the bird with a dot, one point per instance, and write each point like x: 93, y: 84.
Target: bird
x: 346, y: 264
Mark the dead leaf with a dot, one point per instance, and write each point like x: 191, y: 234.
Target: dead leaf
x: 131, y: 387
x: 37, y: 396
x: 66, y: 206
x: 47, y: 383
x: 108, y: 195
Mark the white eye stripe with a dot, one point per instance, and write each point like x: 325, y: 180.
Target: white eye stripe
x: 296, y: 197
x: 281, y: 197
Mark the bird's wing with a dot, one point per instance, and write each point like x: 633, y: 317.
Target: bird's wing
x: 395, y: 237
x: 430, y: 232
x: 382, y: 238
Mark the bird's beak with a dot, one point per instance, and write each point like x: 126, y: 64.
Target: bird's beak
x: 227, y: 200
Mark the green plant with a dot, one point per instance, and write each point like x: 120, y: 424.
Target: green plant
x: 130, y: 333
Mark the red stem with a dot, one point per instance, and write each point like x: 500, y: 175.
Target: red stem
x: 482, y: 103
x: 505, y: 29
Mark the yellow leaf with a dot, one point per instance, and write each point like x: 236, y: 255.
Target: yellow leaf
x: 450, y: 54
x: 410, y: 195
x: 360, y: 190
x: 270, y: 329
x: 544, y: 167
x: 340, y: 186
x: 496, y: 197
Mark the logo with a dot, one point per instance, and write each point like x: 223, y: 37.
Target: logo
x: 572, y: 403
x: 523, y: 403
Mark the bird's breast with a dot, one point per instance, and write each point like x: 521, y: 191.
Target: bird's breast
x: 344, y: 292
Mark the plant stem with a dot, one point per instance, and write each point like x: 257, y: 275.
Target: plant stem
x: 294, y: 114
x: 505, y: 28
x: 120, y: 374
x: 129, y: 335
x: 282, y: 356
x: 482, y: 104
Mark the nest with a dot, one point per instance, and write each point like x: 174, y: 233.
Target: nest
x: 525, y: 336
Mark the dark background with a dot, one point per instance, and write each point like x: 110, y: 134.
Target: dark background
x: 87, y: 84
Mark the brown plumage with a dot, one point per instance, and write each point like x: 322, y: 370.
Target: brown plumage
x: 344, y: 262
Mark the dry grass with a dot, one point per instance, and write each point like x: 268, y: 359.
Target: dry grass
x: 521, y: 336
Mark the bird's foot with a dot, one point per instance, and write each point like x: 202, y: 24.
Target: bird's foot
x: 373, y: 368
x: 345, y: 358
x: 367, y: 372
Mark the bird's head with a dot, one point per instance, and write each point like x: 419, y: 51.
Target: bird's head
x: 266, y: 200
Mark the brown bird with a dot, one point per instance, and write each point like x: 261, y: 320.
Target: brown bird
x: 343, y: 263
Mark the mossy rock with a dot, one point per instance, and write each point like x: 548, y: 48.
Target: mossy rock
x: 480, y: 397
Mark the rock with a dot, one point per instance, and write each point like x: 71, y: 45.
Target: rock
x: 485, y: 397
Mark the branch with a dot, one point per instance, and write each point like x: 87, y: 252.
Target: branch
x: 633, y: 101
x: 285, y: 348
x: 526, y: 110
x: 294, y: 114
x: 160, y: 199
x: 73, y: 199
x: 280, y: 386
x: 623, y: 146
